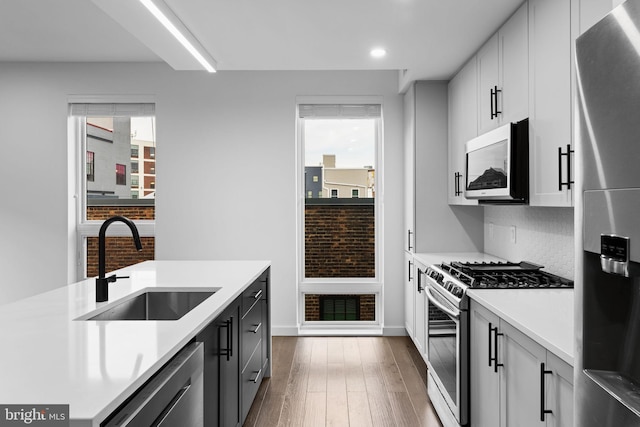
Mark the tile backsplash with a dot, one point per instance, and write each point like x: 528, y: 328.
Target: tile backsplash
x: 542, y: 236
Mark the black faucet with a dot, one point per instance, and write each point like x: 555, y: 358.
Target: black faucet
x: 102, y: 283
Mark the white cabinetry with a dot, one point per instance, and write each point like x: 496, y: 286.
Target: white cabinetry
x: 509, y: 372
x: 463, y: 126
x: 503, y: 74
x: 409, y: 168
x: 550, y: 102
x: 431, y: 225
x: 420, y: 330
x: 415, y: 316
x: 409, y: 318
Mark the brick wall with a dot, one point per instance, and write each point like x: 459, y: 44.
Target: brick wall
x: 131, y: 212
x: 121, y: 251
x: 339, y: 240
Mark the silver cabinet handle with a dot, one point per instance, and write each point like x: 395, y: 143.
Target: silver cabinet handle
x: 258, y: 294
x: 255, y: 380
x: 257, y: 328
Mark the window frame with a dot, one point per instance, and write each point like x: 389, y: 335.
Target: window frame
x: 77, y: 143
x: 340, y: 286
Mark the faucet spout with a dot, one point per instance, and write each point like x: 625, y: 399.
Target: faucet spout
x: 102, y: 282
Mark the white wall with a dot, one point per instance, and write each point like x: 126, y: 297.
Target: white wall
x: 236, y: 127
x: 543, y: 236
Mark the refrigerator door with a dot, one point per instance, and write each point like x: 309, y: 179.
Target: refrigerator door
x: 607, y: 368
x: 608, y: 69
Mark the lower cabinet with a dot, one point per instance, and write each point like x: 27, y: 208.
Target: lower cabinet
x: 237, y: 347
x: 221, y: 368
x: 514, y: 380
x: 420, y: 330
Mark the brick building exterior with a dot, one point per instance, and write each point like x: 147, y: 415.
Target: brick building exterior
x: 122, y: 251
x: 339, y: 243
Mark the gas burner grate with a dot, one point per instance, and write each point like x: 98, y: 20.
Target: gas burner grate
x: 507, y: 275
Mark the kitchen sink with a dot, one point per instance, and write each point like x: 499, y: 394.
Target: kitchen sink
x: 153, y: 305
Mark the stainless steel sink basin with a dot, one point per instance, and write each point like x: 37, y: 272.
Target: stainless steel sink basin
x: 154, y: 305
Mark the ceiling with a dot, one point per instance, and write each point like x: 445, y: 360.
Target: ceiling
x: 429, y: 38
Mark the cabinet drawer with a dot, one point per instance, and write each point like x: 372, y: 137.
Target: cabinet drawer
x: 251, y: 333
x: 254, y: 293
x: 251, y: 379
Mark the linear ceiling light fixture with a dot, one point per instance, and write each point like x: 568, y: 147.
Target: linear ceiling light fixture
x: 166, y: 22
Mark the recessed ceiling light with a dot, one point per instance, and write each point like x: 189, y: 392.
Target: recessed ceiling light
x: 378, y: 52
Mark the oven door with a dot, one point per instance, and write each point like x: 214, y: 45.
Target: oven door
x: 448, y: 350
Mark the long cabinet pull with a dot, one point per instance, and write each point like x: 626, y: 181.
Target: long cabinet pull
x: 410, y: 269
x: 420, y: 288
x: 228, y: 324
x: 256, y: 328
x: 543, y: 411
x: 496, y: 334
x: 493, y: 94
x: 258, y: 294
x: 490, y: 358
x: 409, y: 233
x: 457, y: 191
x: 568, y: 155
x: 257, y: 377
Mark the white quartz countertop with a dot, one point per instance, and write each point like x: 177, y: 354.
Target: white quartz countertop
x: 48, y: 357
x: 545, y: 315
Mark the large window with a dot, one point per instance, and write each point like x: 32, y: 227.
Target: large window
x: 110, y: 137
x: 340, y: 256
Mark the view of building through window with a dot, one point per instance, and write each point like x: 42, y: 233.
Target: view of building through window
x: 339, y: 213
x: 120, y: 160
x: 120, y: 180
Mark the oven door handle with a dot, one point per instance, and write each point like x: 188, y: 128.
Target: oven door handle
x: 455, y: 314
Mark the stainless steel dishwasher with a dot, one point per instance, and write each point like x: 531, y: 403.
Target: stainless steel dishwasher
x: 173, y: 397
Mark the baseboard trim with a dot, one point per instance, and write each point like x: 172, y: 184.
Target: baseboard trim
x: 289, y: 331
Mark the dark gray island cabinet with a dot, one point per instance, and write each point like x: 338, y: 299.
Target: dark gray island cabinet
x: 237, y: 347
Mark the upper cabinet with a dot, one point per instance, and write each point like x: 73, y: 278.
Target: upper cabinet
x: 463, y: 126
x: 409, y: 167
x: 525, y: 70
x: 550, y: 144
x: 503, y: 74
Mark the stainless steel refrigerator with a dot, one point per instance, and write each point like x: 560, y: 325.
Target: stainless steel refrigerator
x: 607, y: 360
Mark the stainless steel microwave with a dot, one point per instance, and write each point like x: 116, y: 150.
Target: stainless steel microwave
x: 497, y: 165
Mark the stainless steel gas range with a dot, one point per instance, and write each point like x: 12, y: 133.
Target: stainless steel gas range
x: 448, y: 326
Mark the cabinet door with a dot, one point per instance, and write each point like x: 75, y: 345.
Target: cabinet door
x: 420, y: 329
x: 409, y: 320
x: 559, y: 392
x: 520, y: 379
x: 488, y: 75
x: 550, y: 101
x: 222, y: 368
x: 229, y: 365
x: 463, y: 126
x: 409, y: 168
x: 484, y: 381
x: 513, y: 100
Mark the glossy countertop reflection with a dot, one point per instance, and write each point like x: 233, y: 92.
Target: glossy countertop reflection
x: 48, y: 357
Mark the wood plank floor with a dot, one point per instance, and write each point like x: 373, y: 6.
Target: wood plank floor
x: 343, y: 381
